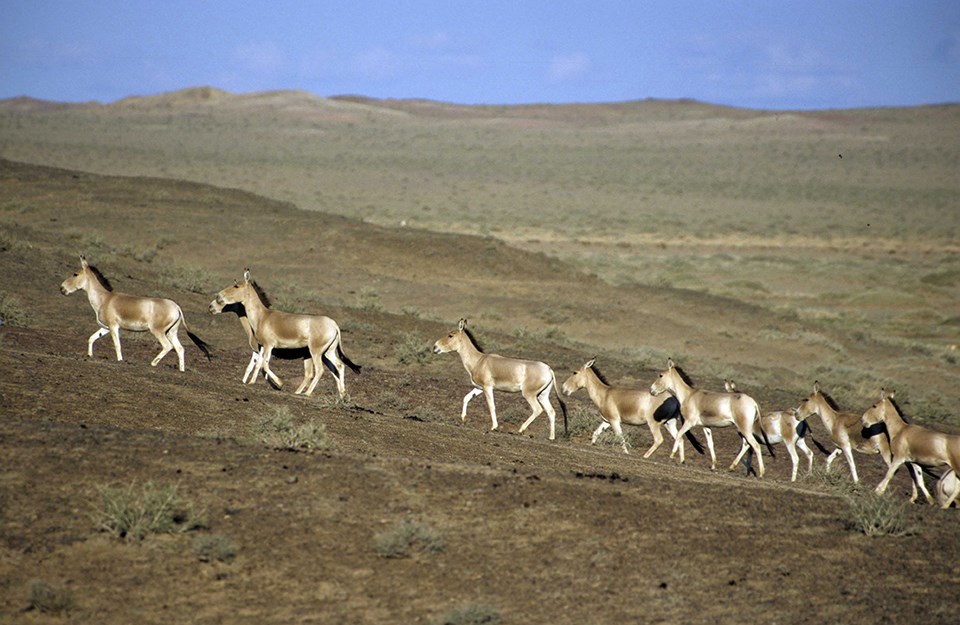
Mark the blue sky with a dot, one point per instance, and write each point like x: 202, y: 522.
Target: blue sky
x: 773, y: 54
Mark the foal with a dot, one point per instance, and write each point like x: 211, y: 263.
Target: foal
x: 489, y: 372
x: 161, y: 317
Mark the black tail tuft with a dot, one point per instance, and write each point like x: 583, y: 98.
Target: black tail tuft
x: 563, y: 409
x: 204, y: 347
x: 353, y: 366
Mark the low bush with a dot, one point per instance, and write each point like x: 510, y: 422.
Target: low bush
x: 215, y: 547
x: 280, y: 432
x: 470, y: 614
x: 408, y: 536
x: 50, y: 599
x: 878, y: 515
x: 132, y: 513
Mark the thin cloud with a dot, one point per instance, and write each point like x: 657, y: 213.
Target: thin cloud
x: 568, y: 67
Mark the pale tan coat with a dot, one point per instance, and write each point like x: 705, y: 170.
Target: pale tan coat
x: 913, y: 444
x: 489, y: 372
x: 845, y: 429
x: 619, y: 405
x: 119, y: 311
x: 710, y: 409
x: 277, y: 329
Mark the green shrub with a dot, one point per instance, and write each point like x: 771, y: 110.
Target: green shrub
x: 215, y: 547
x: 470, y: 614
x: 280, y: 432
x: 50, y: 599
x: 878, y: 515
x: 407, y: 536
x: 132, y: 513
x: 12, y: 312
x: 412, y: 349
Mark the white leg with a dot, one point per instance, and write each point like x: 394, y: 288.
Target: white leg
x: 257, y: 367
x: 678, y: 439
x: 657, y: 437
x: 307, y: 375
x: 882, y: 486
x: 265, y: 353
x: 317, y: 374
x: 623, y: 441
x: 848, y: 453
x: 165, y: 346
x: 750, y: 439
x: 253, y: 362
x: 93, y: 339
x: 535, y: 410
x: 466, y: 400
x: 671, y: 426
x: 743, y: 451
x: 918, y: 482
x: 802, y: 444
x: 600, y: 430
x: 115, y: 335
x: 713, y: 455
x: 551, y: 413
x: 174, y: 336
x: 488, y: 393
x: 833, y: 456
x: 794, y: 458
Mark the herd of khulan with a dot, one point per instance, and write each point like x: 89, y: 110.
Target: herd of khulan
x: 671, y: 402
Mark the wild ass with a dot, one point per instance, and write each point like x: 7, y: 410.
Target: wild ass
x: 301, y: 353
x: 780, y: 426
x: 489, y: 372
x: 710, y: 409
x: 620, y: 405
x: 115, y: 311
x: 844, y: 427
x: 913, y: 444
x: 276, y: 329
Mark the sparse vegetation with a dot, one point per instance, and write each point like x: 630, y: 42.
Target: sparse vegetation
x: 470, y: 614
x: 12, y: 312
x: 878, y: 515
x: 214, y: 547
x: 49, y: 598
x: 134, y: 512
x: 279, y: 431
x: 409, y: 536
x: 193, y: 279
x: 412, y: 348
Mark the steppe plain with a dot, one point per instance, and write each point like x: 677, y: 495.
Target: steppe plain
x: 774, y: 248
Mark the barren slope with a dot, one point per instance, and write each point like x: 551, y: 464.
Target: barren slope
x: 540, y: 531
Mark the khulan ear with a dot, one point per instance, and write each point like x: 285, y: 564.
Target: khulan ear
x: 462, y: 324
x: 592, y: 362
